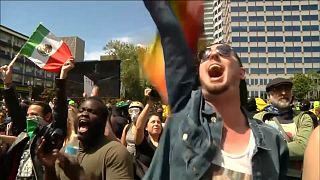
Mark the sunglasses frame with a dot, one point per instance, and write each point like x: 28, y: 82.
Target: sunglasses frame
x: 205, y: 54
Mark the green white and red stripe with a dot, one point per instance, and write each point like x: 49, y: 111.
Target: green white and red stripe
x: 46, y: 50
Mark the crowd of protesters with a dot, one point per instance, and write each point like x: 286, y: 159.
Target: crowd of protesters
x: 212, y: 131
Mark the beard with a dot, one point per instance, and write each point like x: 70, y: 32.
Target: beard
x: 215, y: 89
x: 282, y: 103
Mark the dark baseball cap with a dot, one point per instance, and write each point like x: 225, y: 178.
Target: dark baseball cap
x: 278, y: 81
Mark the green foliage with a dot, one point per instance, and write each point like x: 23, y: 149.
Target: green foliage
x: 302, y: 84
x: 48, y: 94
x: 132, y: 81
x: 315, y: 85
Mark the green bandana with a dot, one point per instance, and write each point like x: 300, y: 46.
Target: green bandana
x: 32, y: 124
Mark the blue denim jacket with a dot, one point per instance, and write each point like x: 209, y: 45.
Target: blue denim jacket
x: 188, y: 146
x: 192, y: 134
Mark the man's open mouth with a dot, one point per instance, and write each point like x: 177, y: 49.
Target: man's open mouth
x: 83, y: 126
x: 215, y: 71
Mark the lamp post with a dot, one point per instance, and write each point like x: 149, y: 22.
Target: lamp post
x: 30, y: 84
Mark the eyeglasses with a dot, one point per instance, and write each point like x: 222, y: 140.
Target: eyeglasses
x: 223, y: 50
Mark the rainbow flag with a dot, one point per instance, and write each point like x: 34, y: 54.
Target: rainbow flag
x: 190, y: 16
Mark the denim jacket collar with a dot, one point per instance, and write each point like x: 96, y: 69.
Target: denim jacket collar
x: 202, y: 130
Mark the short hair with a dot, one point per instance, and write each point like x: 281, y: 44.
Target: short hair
x: 45, y: 107
x: 103, y: 107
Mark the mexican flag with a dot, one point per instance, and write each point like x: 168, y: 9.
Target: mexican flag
x: 46, y: 50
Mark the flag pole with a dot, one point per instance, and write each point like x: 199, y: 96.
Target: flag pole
x: 14, y: 59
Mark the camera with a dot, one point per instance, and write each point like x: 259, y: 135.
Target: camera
x: 54, y: 137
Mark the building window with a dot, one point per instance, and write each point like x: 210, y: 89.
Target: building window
x: 239, y: 18
x: 258, y: 60
x: 257, y: 39
x: 311, y: 38
x: 238, y: 9
x: 275, y: 38
x: 292, y: 18
x: 291, y: 8
x: 239, y: 28
x: 239, y: 39
x: 311, y: 59
x: 309, y: 17
x: 293, y: 49
x: 244, y: 60
x: 256, y: 28
x: 309, y: 7
x: 294, y: 70
x: 275, y: 60
x: 294, y: 59
x: 273, y: 8
x: 258, y: 71
x: 312, y: 70
x: 240, y: 49
x: 275, y: 49
x: 311, y: 49
x: 292, y: 28
x: 293, y: 38
x: 257, y: 49
x: 252, y: 82
x: 256, y: 18
x: 310, y: 28
x: 276, y: 71
x: 274, y: 18
x: 274, y: 28
x: 255, y: 8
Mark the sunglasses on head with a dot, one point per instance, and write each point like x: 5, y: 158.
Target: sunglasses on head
x: 223, y: 50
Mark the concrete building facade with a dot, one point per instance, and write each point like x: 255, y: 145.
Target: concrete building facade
x: 273, y: 38
x: 76, y: 46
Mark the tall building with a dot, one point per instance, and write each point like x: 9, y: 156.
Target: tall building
x: 273, y: 38
x: 27, y: 77
x: 76, y: 46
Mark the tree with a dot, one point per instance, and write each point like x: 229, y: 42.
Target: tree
x: 48, y: 94
x: 302, y: 84
x: 131, y: 78
x: 315, y: 86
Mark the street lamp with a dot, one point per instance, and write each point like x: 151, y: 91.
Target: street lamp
x: 30, y: 84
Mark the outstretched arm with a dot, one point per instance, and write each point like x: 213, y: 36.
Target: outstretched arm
x: 18, y: 118
x: 60, y: 110
x: 142, y: 119
x: 179, y: 67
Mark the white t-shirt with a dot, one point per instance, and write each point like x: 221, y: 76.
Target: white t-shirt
x: 234, y: 166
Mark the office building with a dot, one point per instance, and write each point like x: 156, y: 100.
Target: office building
x: 76, y: 46
x: 273, y: 38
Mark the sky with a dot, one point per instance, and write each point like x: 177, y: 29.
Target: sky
x: 96, y: 22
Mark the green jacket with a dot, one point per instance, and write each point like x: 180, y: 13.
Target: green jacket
x: 304, y: 125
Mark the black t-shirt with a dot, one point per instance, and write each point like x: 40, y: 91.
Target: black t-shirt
x: 145, y: 151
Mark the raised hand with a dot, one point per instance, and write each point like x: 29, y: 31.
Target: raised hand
x: 67, y: 66
x: 6, y: 72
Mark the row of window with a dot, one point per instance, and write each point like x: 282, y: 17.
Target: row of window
x: 279, y: 71
x: 276, y: 39
x: 281, y: 59
x: 274, y: 28
x: 274, y: 18
x: 278, y: 49
x: 274, y: 8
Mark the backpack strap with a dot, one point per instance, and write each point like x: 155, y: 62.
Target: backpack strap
x: 313, y: 117
x: 284, y: 134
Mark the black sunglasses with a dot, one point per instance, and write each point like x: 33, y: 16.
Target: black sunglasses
x: 223, y: 50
